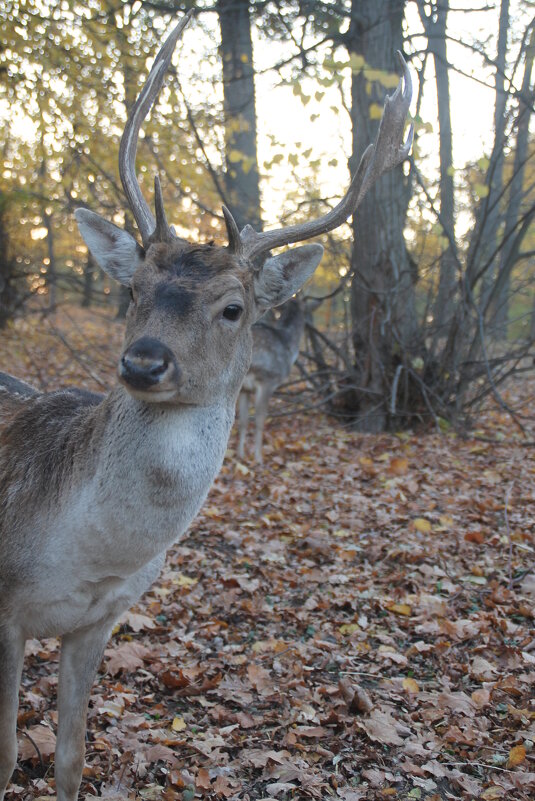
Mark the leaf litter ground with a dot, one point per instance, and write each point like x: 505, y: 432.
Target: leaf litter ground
x: 353, y: 620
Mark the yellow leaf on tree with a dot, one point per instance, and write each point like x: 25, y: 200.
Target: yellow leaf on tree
x: 410, y: 685
x: 178, y: 724
x: 421, y: 524
x: 400, y: 609
x: 376, y: 111
x: 516, y: 756
x: 356, y: 62
x: 235, y: 156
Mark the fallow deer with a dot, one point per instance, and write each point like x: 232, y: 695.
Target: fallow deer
x: 93, y: 490
x: 275, y: 351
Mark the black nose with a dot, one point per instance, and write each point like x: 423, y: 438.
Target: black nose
x: 145, y: 363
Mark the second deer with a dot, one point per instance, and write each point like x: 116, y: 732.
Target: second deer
x: 275, y: 351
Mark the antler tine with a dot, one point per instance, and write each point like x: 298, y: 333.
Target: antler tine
x: 127, y: 150
x: 386, y: 152
x: 234, y: 242
x: 162, y: 231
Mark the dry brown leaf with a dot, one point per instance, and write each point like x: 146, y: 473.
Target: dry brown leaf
x: 516, y: 756
x: 42, y: 737
x: 127, y: 657
x: 203, y: 780
x: 383, y: 728
x: 481, y: 698
x: 482, y: 670
x: 355, y: 696
x: 493, y: 793
x: 136, y: 621
x: 259, y: 678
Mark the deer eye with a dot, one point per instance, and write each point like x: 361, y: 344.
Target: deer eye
x: 232, y: 312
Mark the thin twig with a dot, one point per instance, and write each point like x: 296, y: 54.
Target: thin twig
x: 25, y: 734
x: 508, y: 533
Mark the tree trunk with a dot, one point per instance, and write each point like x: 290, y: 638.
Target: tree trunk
x: 435, y: 25
x: 89, y: 273
x: 485, y: 239
x: 7, y: 268
x: 385, y: 330
x: 51, y: 273
x: 241, y: 175
x: 499, y: 298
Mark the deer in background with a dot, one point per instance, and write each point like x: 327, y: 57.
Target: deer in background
x: 275, y: 351
x: 93, y: 489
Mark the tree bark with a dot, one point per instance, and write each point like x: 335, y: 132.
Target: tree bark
x: 498, y: 301
x: 7, y: 267
x: 484, y: 242
x: 241, y: 174
x: 51, y: 273
x: 384, y: 323
x: 89, y: 272
x: 435, y: 24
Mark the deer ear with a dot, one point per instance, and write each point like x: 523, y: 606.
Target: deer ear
x: 283, y: 275
x: 115, y: 250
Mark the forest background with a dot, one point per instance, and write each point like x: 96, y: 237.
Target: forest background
x: 429, y: 290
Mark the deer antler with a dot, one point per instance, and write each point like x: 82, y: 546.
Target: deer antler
x: 143, y: 216
x: 385, y: 153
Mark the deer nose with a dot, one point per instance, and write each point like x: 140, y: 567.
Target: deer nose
x: 145, y: 363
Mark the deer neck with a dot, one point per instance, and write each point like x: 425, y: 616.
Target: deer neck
x: 150, y: 472
x: 166, y: 456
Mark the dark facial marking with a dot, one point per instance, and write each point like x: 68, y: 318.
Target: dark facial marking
x: 172, y: 299
x: 193, y: 261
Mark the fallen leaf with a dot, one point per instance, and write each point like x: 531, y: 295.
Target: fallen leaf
x: 516, y: 756
x: 482, y: 670
x: 43, y: 737
x: 259, y: 678
x: 481, y: 698
x: 181, y: 580
x: 136, y: 621
x: 422, y: 525
x: 203, y: 780
x: 127, y: 657
x: 349, y: 628
x: 383, y: 728
x: 492, y: 793
x: 400, y: 609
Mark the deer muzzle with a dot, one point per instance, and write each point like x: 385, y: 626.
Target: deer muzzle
x: 148, y: 365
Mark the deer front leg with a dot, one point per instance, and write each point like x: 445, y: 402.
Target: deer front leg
x: 243, y: 417
x: 11, y: 658
x: 263, y: 395
x: 81, y: 655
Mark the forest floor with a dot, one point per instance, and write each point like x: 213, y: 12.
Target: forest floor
x: 352, y: 620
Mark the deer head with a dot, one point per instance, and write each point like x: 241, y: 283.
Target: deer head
x: 188, y: 333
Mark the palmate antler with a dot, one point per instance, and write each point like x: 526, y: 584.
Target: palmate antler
x: 388, y: 150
